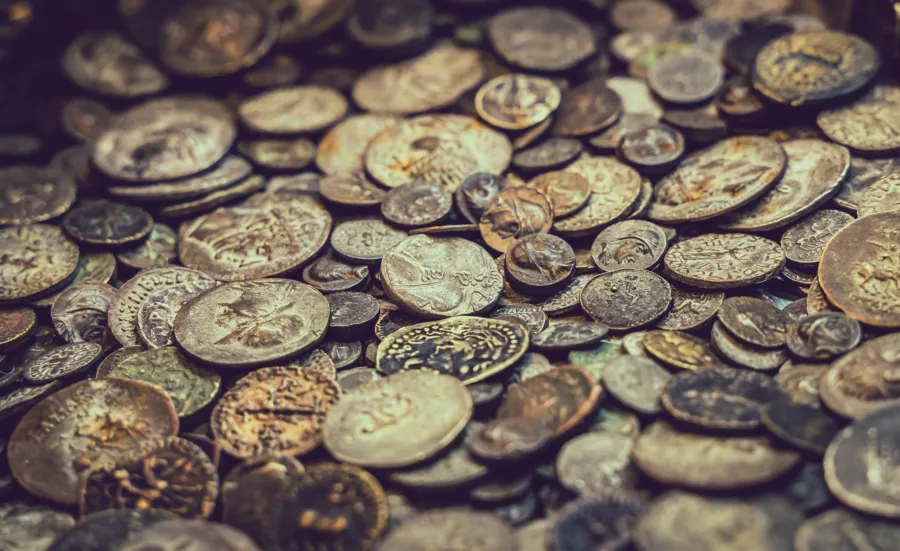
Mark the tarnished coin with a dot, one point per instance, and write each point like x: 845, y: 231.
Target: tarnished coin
x: 653, y: 149
x: 539, y: 263
x: 13, y: 402
x: 597, y: 522
x: 722, y: 399
x: 106, y: 63
x: 566, y: 335
x: 862, y: 174
x: 278, y: 155
x: 252, y: 323
x: 804, y: 241
x: 541, y: 38
x: 439, y: 148
x: 636, y: 382
x: 882, y: 196
x: 596, y: 463
x: 567, y: 192
x: 392, y: 25
x: 437, y: 277
x: 468, y: 348
x: 608, y: 141
x: 568, y: 299
x: 36, y: 260
x: 516, y: 101
x: 754, y: 321
x: 514, y: 212
x: 207, y: 203
x: 858, y: 269
x: 62, y: 361
x: 329, y: 274
x: 814, y: 68
x: 814, y: 174
x: 476, y: 191
x: 355, y: 377
x: 802, y: 426
x: 551, y: 154
x: 690, y: 309
x: 431, y: 81
x: 293, y: 110
x: 863, y: 380
x: 801, y: 382
x: 108, y: 224
x: 272, y: 72
x: 107, y: 530
x: 858, y: 460
x: 597, y: 358
x: 626, y: 299
x: 32, y: 194
x: 353, y: 314
x: 631, y: 244
x: 615, y: 187
x: 224, y: 174
x: 709, y: 462
x: 837, y: 529
x: 446, y: 529
x: 586, y: 109
x: 560, y: 398
x: 15, y: 326
x: 865, y: 126
x: 351, y: 190
x: 85, y: 119
x: 32, y: 528
x: 681, y: 350
x: 418, y: 203
x: 724, y: 261
x: 100, y: 420
x: 365, y: 240
x: 164, y: 139
x: 156, y: 315
x: 342, y: 150
x: 823, y: 336
x: 190, y: 386
x: 158, y: 250
x: 509, y: 439
x: 203, y: 536
x: 816, y: 301
x: 417, y: 415
x: 719, y: 179
x: 454, y: 468
x: 746, y: 355
x: 687, y: 78
x: 530, y: 315
x: 304, y: 20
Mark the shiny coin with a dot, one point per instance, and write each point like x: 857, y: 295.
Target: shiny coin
x: 418, y: 203
x: 804, y: 241
x: 653, y: 149
x: 804, y: 427
x: 746, y: 355
x: 539, y: 263
x: 597, y: 463
x: 823, y: 336
x: 295, y: 110
x: 108, y: 224
x: 445, y: 529
x: 108, y: 64
x: 686, y: 78
x: 754, y: 321
x: 567, y: 192
x: 587, y: 109
x: 615, y: 188
x: 62, y: 362
x: 514, y: 213
x: 516, y: 101
x: 596, y: 522
x: 330, y: 274
x: 32, y: 194
x: 690, y: 309
x: 862, y: 125
x: 342, y: 150
x: 541, y: 39
x: 509, y: 439
x: 16, y: 326
x: 476, y: 191
x: 552, y: 154
x: 724, y: 261
x: 37, y: 259
x: 564, y: 335
x: 636, y: 382
x: 681, y: 350
x: 626, y: 299
x: 863, y: 380
x: 632, y: 244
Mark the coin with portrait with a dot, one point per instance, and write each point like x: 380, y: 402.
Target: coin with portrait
x: 631, y: 244
x: 80, y: 313
x: 823, y: 336
x: 418, y: 203
x: 615, y: 188
x: 513, y: 213
x: 516, y: 101
x: 539, y: 263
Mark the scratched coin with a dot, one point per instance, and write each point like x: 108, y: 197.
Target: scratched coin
x: 804, y: 241
x: 156, y: 315
x: 539, y: 263
x: 32, y: 194
x: 631, y: 244
x: 108, y: 64
x: 681, y: 350
x: 397, y: 421
x: 516, y: 101
x: 586, y: 109
x: 514, y: 212
x: 293, y: 110
x: 446, y: 529
x: 330, y: 274
x: 754, y: 321
x: 865, y: 126
x: 418, y: 203
x: 567, y: 192
x: 108, y: 224
x: 365, y: 240
x: 626, y: 299
x: 690, y: 309
x: 687, y: 78
x: 540, y: 38
x: 863, y: 380
x: 823, y: 336
x: 551, y: 154
x: 724, y: 261
x: 342, y: 150
x: 61, y: 362
x: 16, y: 325
x: 36, y: 260
x: 615, y: 188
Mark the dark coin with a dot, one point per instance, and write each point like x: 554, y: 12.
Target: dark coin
x: 330, y: 274
x: 62, y: 362
x: 514, y: 212
x: 85, y: 120
x: 564, y: 335
x: 316, y: 360
x: 107, y: 530
x: 804, y: 427
x: 615, y: 189
x: 32, y: 194
x: 278, y: 70
x: 801, y: 382
x: 754, y: 321
x: 158, y: 250
x: 106, y: 63
x: 541, y: 39
x: 738, y: 103
x: 486, y: 393
x: 862, y: 174
x: 838, y: 529
x: 529, y: 315
x: 37, y: 260
x: 568, y: 298
x: 597, y: 522
x: 699, y: 126
x: 516, y: 101
x: 446, y: 529
x: 13, y: 402
x: 502, y: 488
x: 355, y: 377
x: 343, y: 354
x: 108, y: 224
x: 817, y: 301
x: 724, y: 261
x: 626, y: 299
x: 681, y: 350
x: 746, y: 355
x: 365, y: 240
x: 741, y: 50
x: 586, y: 110
x: 509, y: 439
x: 597, y: 358
x: 24, y: 528
x: 567, y: 192
x: 418, y: 203
x: 476, y: 191
x: 632, y: 244
x: 352, y: 314
x: 551, y: 154
x: 392, y: 25
x: 690, y: 309
x: 823, y: 336
x: 16, y: 326
x: 391, y: 320
x: 686, y: 78
x: 881, y: 196
x: 652, y: 150
x: 804, y: 241
x: 636, y: 382
x: 539, y: 263
x: 863, y: 380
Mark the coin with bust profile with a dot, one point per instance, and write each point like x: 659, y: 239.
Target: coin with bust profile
x: 541, y: 38
x: 724, y: 261
x: 417, y: 203
x: 539, y: 263
x: 80, y: 313
x: 653, y: 149
x: 516, y: 101
x: 865, y: 125
x: 513, y: 213
x: 551, y: 154
x: 863, y: 380
x: 804, y: 241
x: 823, y: 336
x: 342, y: 150
x: 615, y: 188
x: 681, y: 350
x: 293, y: 110
x: 33, y: 194
x: 626, y: 299
x: 37, y: 259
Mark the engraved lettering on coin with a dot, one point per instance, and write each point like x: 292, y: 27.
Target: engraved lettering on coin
x: 724, y: 261
x: 80, y: 312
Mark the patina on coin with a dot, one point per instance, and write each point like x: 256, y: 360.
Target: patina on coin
x: 686, y: 78
x: 863, y: 173
x: 397, y: 421
x: 615, y: 188
x: 294, y: 110
x: 476, y: 191
x: 156, y: 316
x: 626, y: 299
x: 418, y: 203
x: 631, y: 244
x: 586, y: 109
x: 746, y: 355
x: 864, y: 380
x: 108, y: 224
x: 36, y: 259
x: 654, y: 149
x: 158, y: 250
x: 365, y: 240
x: 597, y: 522
x: 108, y: 64
x: 330, y: 274
x: 351, y: 190
x: 516, y: 101
x: 690, y: 309
x: 803, y: 242
x: 31, y: 194
x: 541, y: 38
x: 32, y: 528
x: 724, y: 261
x: 539, y: 263
x: 514, y: 212
x: 449, y: 529
x: 866, y: 125
x: 61, y: 362
x: 636, y: 382
x: 552, y: 154
x: 597, y: 462
x: 509, y: 439
x: 15, y: 326
x: 823, y: 336
x: 681, y: 350
x: 203, y: 536
x: 754, y: 321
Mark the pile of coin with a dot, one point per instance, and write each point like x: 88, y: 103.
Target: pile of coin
x: 296, y: 275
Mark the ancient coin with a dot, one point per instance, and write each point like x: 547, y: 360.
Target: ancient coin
x: 516, y: 101
x: 365, y: 240
x: 586, y: 110
x: 342, y: 150
x: 316, y: 360
x: 32, y: 194
x: 446, y: 529
x: 644, y: 15
x: 719, y: 179
x: 253, y: 241
x: 597, y: 358
x: 636, y: 382
x: 626, y: 299
x: 108, y: 224
x: 741, y: 10
x: 62, y: 361
x: 468, y: 348
x: 293, y: 110
x: 454, y: 468
x: 352, y: 190
x: 859, y: 458
x: 539, y: 263
x: 355, y: 377
x: 203, y: 536
x: 15, y: 326
x: 801, y: 382
x: 392, y: 26
x: 863, y: 380
x: 596, y: 522
x: 816, y: 301
x: 106, y: 63
x: 754, y: 321
x: 13, y: 402
x: 559, y: 398
x: 566, y: 335
x: 274, y: 71
x: 431, y: 81
x: 392, y: 319
x: 106, y: 530
x: 304, y: 20
x: 155, y: 317
x: 862, y: 174
x: 541, y: 39
x: 437, y: 277
x: 226, y: 173
x: 514, y: 212
x: 32, y: 528
x: 164, y: 139
x: 597, y: 462
x: 865, y: 125
x: 568, y: 298
x: 551, y: 154
x: 687, y: 78
x: 530, y: 315
x: 804, y: 241
x: 631, y: 244
x: 169, y: 474
x: 690, y: 309
x: 858, y: 270
x: 158, y: 250
x: 37, y: 259
x: 353, y: 314
x: 100, y: 420
x: 418, y: 203
x: 252, y: 323
x: 654, y: 149
x: 608, y: 141
x: 823, y: 336
x: 882, y: 196
x: 839, y: 528
x: 814, y: 68
x: 746, y: 355
x: 85, y: 119
x: 278, y: 155
x: 343, y: 354
x: 724, y: 261
x: 709, y: 462
x: 567, y: 192
x: 738, y: 103
x: 329, y: 274
x: 205, y: 204
x: 476, y: 191
x: 615, y: 188
x: 509, y: 439
x: 681, y: 350
x: 397, y: 421
x: 802, y: 426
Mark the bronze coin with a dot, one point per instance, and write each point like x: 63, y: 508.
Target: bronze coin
x: 352, y: 314
x: 687, y: 78
x: 738, y: 103
x: 36, y: 260
x: 882, y: 196
x: 316, y: 360
x: 85, y: 120
x: 80, y: 313
x: 431, y: 81
x: 754, y: 321
x: 441, y: 148
x: 565, y: 335
x: 551, y: 154
x: 446, y: 529
x: 615, y: 188
x: 690, y: 309
x: 164, y: 139
x: 586, y: 109
x: 823, y: 336
x: 861, y: 125
x: 863, y: 380
x: 700, y: 126
x: 540, y: 38
x: 115, y: 358
x: 229, y: 171
x: 203, y: 536
x: 598, y: 521
x: 514, y: 212
x: 342, y: 150
x: 745, y: 355
x: 365, y: 240
x: 329, y: 274
x: 106, y: 63
x: 567, y: 192
x: 857, y: 269
x: 351, y: 190
x: 840, y: 529
x: 597, y: 463
x: 418, y: 415
x: 560, y: 398
x: 626, y: 299
x: 719, y: 179
x: 61, y: 362
x: 356, y: 377
x: 294, y: 110
x: 202, y: 205
x: 158, y: 250
x: 418, y: 203
x: 392, y: 25
x: 15, y: 326
x: 539, y: 263
x: 174, y: 464
x: 252, y: 323
x: 680, y: 350
x: 801, y: 382
x: 644, y: 15
x: 529, y: 315
x: 106, y: 530
x: 32, y: 528
x: 636, y: 382
x: 814, y: 68
x: 469, y: 282
x: 653, y: 149
x: 631, y: 244
x: 517, y: 101
x: 468, y: 348
x: 509, y: 439
x: 626, y: 46
x: 862, y: 174
x: 107, y: 224
x: 804, y: 241
x: 476, y: 191
x: 816, y: 301
x: 101, y: 421
x: 855, y: 462
x: 724, y: 261
x: 31, y: 194
x: 709, y: 462
x: 278, y: 155
x: 804, y: 427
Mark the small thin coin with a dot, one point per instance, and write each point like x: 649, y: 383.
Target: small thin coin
x: 552, y: 154
x: 805, y: 240
x: 690, y: 309
x: 636, y: 382
x: 352, y: 314
x: 330, y: 274
x: 565, y: 335
x: 567, y: 192
x: 539, y: 263
x: 530, y: 315
x: 681, y: 350
x: 293, y: 110
x: 32, y: 194
x: 108, y: 224
x: 626, y: 299
x: 824, y: 336
x: 863, y: 380
x: 61, y: 362
x: 517, y: 101
x: 724, y: 261
x: 687, y: 78
x: 541, y: 38
x: 418, y: 203
x: 865, y: 125
x: 631, y: 244
x: 745, y: 355
x: 754, y: 321
x: 202, y: 205
x: 802, y: 426
x: 509, y: 439
x: 514, y: 213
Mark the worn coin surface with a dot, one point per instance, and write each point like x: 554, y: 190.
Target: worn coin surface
x: 230, y: 170
x: 597, y: 522
x: 839, y: 528
x: 681, y: 350
x: 652, y: 149
x: 108, y: 64
x: 329, y: 274
x: 418, y: 203
x: 156, y: 315
x: 16, y: 325
x: 615, y: 188
x: 746, y: 355
x: 802, y: 426
x: 158, y: 250
x: 686, y: 78
x: 636, y: 382
x: 509, y: 439
x: 539, y: 263
x: 540, y: 38
x: 342, y: 150
x: 203, y: 536
x: 863, y: 173
x: 754, y: 321
x: 597, y: 462
x: 32, y: 528
x: 863, y: 380
x: 724, y: 261
x: 801, y: 382
x: 454, y: 468
x: 293, y: 110
x: 108, y: 224
x: 551, y: 154
x: 586, y: 109
x: 106, y: 530
x: 31, y: 194
x: 865, y: 126
x: 446, y: 529
x: 567, y: 192
x: 514, y: 212
x: 626, y: 299
x: 516, y: 101
x: 630, y: 244
x: 882, y: 196
x: 365, y: 240
x: 803, y: 242
x: 690, y: 309
x: 278, y: 155
x: 61, y: 362
x: 823, y: 336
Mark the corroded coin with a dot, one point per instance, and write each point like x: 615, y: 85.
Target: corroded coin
x: 804, y: 241
x: 476, y: 191
x: 202, y: 205
x: 681, y: 350
x: 709, y: 462
x: 719, y: 179
x: 352, y: 315
x: 100, y: 420
x: 106, y: 63
x: 15, y: 326
x: 813, y: 68
x: 802, y: 426
x: 468, y: 348
x: 865, y: 126
x: 636, y: 382
x: 392, y: 25
x: 278, y: 155
x: 32, y: 528
x: 724, y: 261
x: 252, y: 323
x: 552, y: 154
x: 754, y: 321
x: 418, y: 203
x: 31, y: 194
x: 738, y: 103
x: 108, y: 224
x: 597, y: 522
x: 514, y: 212
x: 540, y: 38
x: 293, y: 110
x: 13, y: 402
x: 36, y: 260
x: 509, y: 439
x: 823, y: 336
x: 597, y: 463
x: 859, y: 269
x: 597, y: 358
x: 653, y: 149
x: 882, y: 196
x: 567, y: 192
x: 686, y: 78
x: 329, y: 274
x: 863, y: 380
x: 837, y: 529
x: 165, y: 139
x: 158, y: 250
x: 566, y: 335
x: 615, y: 188
x: 61, y: 362
x: 690, y: 309
x: 342, y: 150
x: 539, y: 263
x: 746, y: 355
x: 365, y: 240
x: 532, y: 316
x: 352, y: 190
x: 516, y: 101
x: 862, y: 174
x: 587, y: 109
x: 446, y: 529
x: 252, y: 241
x: 631, y: 244
x: 437, y: 277
x: 397, y: 421
x: 626, y: 299
x: 801, y: 382
x: 156, y: 315
x: 644, y: 15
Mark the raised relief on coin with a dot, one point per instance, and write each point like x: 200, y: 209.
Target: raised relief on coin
x: 631, y: 244
x: 862, y: 174
x: 436, y: 277
x: 690, y: 309
x: 718, y: 180
x: 804, y: 241
x: 91, y: 268
x: 864, y: 380
x: 815, y: 67
x: 823, y: 336
x: 61, y: 362
x: 882, y: 196
x: 476, y: 191
x: 365, y: 240
x: 156, y: 315
x: 36, y: 259
x: 434, y: 80
x: 438, y: 148
x: 587, y: 109
x: 454, y: 468
x: 868, y: 125
x: 514, y: 212
x: 650, y: 16
x: 567, y: 191
x: 80, y: 312
x: 541, y: 39
x: 742, y: 354
x: 299, y: 109
x: 107, y: 224
x: 468, y: 348
x: 615, y: 188
x: 653, y: 149
x: 418, y: 203
x: 106, y: 63
x: 802, y: 426
x: 540, y: 263
x: 254, y: 241
x: 252, y: 323
x: 754, y: 321
x: 330, y: 274
x: 32, y: 194
x: 680, y: 350
x: 626, y: 299
x: 342, y: 150
x: 464, y: 527
x: 517, y: 101
x: 687, y: 78
x: 724, y: 261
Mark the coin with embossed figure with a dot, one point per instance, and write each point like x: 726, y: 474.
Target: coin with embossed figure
x: 418, y: 203
x: 864, y: 380
x: 106, y: 63
x: 516, y: 101
x: 801, y: 382
x: 867, y: 125
x: 636, y: 382
x: 156, y: 315
x: 230, y: 170
x: 882, y: 196
x: 568, y: 298
x: 804, y: 241
x: 365, y: 240
x: 330, y: 274
x: 294, y: 110
x: 552, y: 154
x: 158, y: 250
x: 690, y: 309
x: 615, y: 188
x: 587, y: 109
x: 566, y: 335
x: 754, y: 321
x: 801, y: 426
x: 823, y: 336
x: 31, y: 194
x: 863, y: 173
x: 37, y: 259
x: 62, y: 361
x: 514, y: 212
x: 631, y: 244
x: 81, y: 312
x: 597, y: 462
x: 539, y: 263
x: 15, y: 326
x: 626, y: 299
x: 476, y: 191
x: 541, y: 38
x: 567, y: 192
x: 724, y: 261
x: 530, y: 315
x: 686, y: 78
x: 108, y: 224
x: 453, y: 528
x: 681, y: 350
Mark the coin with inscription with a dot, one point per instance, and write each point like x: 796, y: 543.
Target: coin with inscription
x: 837, y: 529
x: 802, y: 426
x: 636, y: 382
x: 586, y: 109
x: 724, y: 261
x: 541, y: 38
x: 863, y: 380
x: 106, y: 63
x: 397, y: 421
x: 539, y: 263
x: 16, y: 325
x: 859, y: 270
x: 615, y: 188
x: 532, y: 316
x: 330, y: 274
x: 61, y: 362
x: 108, y: 224
x: 754, y: 321
x: 516, y: 101
x: 681, y: 350
x: 690, y: 309
x: 418, y: 203
x: 453, y: 528
x: 365, y: 240
x: 36, y: 260
x: 743, y: 354
x: 865, y: 126
x: 342, y: 150
x: 552, y: 154
x: 686, y: 78
x: 293, y: 110
x: 631, y: 244
x: 626, y: 299
x: 156, y: 314
x: 514, y: 212
x: 566, y: 335
x: 804, y: 241
x: 814, y: 68
x: 32, y: 194
x: 823, y: 336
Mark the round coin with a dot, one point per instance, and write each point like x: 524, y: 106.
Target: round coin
x: 564, y: 335
x: 597, y: 522
x: 351, y: 190
x: 686, y: 78
x: 509, y: 439
x: 636, y: 382
x: 653, y: 149
x: 724, y: 261
x: 865, y: 125
x: 418, y: 203
x: 863, y: 380
x: 107, y: 224
x: 746, y: 355
x: 586, y: 109
x: 802, y: 426
x: 823, y: 336
x: 330, y: 274
x: 541, y: 39
x: 16, y: 326
x: 626, y: 299
x: 293, y: 110
x: 690, y: 309
x: 551, y: 154
x: 567, y: 192
x: 516, y: 101
x: 476, y: 191
x: 631, y: 244
x: 31, y: 194
x: 365, y: 240
x: 158, y: 250
x: 107, y: 530
x: 342, y: 150
x: 754, y: 321
x: 155, y: 317
x: 804, y: 241
x: 597, y: 463
x: 36, y: 260
x: 106, y: 63
x: 514, y: 212
x: 539, y: 263
x: 840, y: 528
x: 615, y: 188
